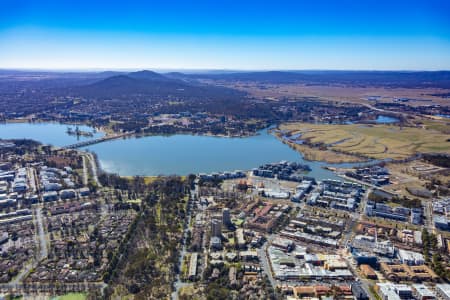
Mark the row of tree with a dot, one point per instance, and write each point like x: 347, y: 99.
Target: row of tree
x: 432, y: 255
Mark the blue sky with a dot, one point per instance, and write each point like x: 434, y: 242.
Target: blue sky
x: 216, y: 34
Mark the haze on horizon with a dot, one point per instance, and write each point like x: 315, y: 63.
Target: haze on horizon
x: 254, y: 35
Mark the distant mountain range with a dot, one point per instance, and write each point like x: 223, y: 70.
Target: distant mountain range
x: 151, y: 84
x: 438, y: 79
x: 111, y: 83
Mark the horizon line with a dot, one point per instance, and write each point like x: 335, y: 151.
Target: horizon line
x: 94, y: 70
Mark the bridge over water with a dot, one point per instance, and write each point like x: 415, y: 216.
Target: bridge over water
x: 99, y: 140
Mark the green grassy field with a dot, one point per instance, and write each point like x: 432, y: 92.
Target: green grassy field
x: 71, y: 296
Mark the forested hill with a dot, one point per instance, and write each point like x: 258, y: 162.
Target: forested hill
x: 151, y: 84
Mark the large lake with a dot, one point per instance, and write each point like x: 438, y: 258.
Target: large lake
x: 176, y: 154
x: 46, y: 133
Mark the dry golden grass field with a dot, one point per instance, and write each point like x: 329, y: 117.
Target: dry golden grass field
x: 340, y: 93
x: 373, y: 141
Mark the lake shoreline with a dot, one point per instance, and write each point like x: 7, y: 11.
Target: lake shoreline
x: 106, y: 130
x: 309, y: 153
x: 181, y: 154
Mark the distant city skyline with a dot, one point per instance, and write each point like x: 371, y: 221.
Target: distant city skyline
x: 228, y: 35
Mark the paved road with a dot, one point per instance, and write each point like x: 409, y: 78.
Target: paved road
x: 265, y: 264
x: 88, y: 158
x: 19, y: 277
x: 428, y: 210
x: 31, y: 179
x: 364, y: 283
x: 107, y: 137
x: 85, y: 172
x: 384, y: 110
x: 178, y: 283
x: 43, y: 253
x: 363, y: 203
x: 41, y: 245
x: 93, y: 165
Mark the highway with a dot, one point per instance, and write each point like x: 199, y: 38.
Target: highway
x: 88, y: 158
x: 178, y: 283
x: 93, y: 167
